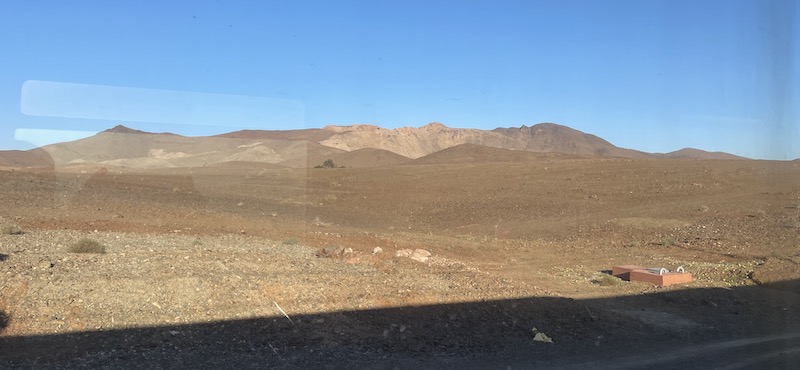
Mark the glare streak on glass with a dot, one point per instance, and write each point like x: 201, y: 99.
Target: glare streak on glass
x: 115, y: 103
x: 42, y: 137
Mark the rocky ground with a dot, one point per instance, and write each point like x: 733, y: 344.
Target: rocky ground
x: 228, y: 267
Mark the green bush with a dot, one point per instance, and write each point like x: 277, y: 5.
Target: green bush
x: 86, y: 245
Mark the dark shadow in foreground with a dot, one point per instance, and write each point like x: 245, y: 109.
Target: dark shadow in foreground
x: 688, y: 328
x: 4, y: 320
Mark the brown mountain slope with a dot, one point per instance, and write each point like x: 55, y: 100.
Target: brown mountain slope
x: 691, y: 153
x: 120, y: 129
x: 121, y: 146
x: 473, y: 153
x: 412, y: 142
x: 418, y: 142
x: 312, y: 134
x: 359, y: 158
x: 25, y: 158
x: 550, y: 137
x: 369, y: 157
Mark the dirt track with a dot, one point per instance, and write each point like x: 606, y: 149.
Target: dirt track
x: 208, y: 252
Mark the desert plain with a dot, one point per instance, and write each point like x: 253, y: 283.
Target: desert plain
x: 222, y: 261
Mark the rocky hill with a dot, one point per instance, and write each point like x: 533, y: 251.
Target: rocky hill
x: 353, y: 146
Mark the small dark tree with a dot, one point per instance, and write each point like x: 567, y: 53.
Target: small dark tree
x: 328, y: 164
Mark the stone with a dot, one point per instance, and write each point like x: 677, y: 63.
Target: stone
x: 422, y: 252
x: 542, y: 337
x: 331, y: 251
x: 420, y: 255
x: 404, y: 253
x: 419, y: 258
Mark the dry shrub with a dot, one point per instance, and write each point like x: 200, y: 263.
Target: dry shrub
x: 669, y: 241
x: 291, y: 241
x: 5, y: 319
x: 10, y: 229
x: 86, y: 245
x: 608, y: 280
x: 331, y: 251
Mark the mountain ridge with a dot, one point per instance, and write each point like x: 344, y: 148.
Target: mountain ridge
x: 362, y: 145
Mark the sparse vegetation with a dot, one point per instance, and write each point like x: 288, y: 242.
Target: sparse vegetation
x: 10, y: 229
x: 291, y: 241
x: 510, y: 245
x: 784, y: 253
x: 4, y: 320
x: 328, y: 163
x: 333, y: 251
x: 607, y: 280
x: 87, y: 245
x: 669, y: 241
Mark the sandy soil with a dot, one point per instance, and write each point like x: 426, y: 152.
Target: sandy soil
x: 217, y: 267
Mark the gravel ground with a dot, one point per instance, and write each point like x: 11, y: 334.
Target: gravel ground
x: 202, y: 271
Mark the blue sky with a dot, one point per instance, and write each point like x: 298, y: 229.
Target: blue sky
x: 649, y: 75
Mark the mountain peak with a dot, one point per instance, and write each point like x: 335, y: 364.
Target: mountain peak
x: 435, y: 125
x: 699, y: 154
x: 120, y: 129
x: 550, y: 126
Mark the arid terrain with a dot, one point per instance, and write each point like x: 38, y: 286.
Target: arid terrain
x: 221, y: 259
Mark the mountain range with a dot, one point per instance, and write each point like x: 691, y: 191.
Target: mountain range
x: 351, y: 146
